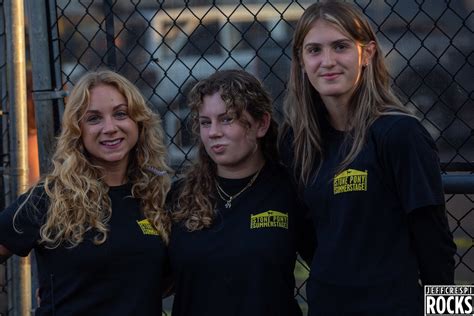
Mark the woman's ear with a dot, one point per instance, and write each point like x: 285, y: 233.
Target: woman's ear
x: 368, y: 53
x: 263, y: 124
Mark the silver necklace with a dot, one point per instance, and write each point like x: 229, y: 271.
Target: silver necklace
x: 226, y: 197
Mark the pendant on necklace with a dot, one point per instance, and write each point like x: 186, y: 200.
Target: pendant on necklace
x: 228, y: 204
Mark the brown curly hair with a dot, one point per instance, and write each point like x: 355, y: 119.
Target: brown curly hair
x: 240, y: 92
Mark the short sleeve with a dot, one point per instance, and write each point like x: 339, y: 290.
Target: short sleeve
x: 412, y: 160
x: 20, y: 234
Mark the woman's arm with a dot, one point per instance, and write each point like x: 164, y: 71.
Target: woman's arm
x: 4, y: 254
x: 433, y: 244
x: 411, y: 157
x: 20, y: 223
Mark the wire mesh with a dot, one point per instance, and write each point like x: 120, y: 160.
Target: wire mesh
x: 164, y: 47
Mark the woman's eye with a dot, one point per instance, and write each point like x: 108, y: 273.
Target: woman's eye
x: 313, y: 50
x: 93, y: 119
x: 121, y: 115
x: 205, y: 123
x: 227, y: 120
x: 340, y: 47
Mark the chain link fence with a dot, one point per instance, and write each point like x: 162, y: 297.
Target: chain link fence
x: 164, y: 47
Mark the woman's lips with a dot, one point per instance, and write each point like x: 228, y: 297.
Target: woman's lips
x: 111, y: 143
x: 218, y: 149
x: 330, y: 76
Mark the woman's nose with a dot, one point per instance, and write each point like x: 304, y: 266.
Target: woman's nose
x: 215, y: 130
x: 110, y: 125
x: 327, y: 58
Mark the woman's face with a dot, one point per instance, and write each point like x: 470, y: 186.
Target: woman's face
x: 231, y: 145
x: 333, y: 62
x: 108, y: 132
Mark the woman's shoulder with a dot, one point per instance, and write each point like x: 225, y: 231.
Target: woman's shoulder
x: 277, y: 178
x: 30, y: 207
x: 174, y: 192
x: 397, y: 121
x: 401, y: 133
x: 36, y: 196
x: 398, y: 127
x: 278, y: 171
x: 177, y: 185
x: 286, y: 146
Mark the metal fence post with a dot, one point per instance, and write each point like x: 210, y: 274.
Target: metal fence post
x: 19, y: 141
x: 110, y: 34
x: 55, y: 58
x: 43, y: 92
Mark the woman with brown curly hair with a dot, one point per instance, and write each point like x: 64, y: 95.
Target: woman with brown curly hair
x: 237, y: 222
x: 97, y: 221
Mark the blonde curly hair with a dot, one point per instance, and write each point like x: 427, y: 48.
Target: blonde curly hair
x: 78, y: 199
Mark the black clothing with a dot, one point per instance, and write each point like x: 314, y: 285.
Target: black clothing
x: 361, y: 216
x: 243, y: 264
x: 432, y: 241
x: 122, y: 276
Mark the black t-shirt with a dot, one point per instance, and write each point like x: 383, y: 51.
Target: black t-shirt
x: 364, y: 261
x: 244, y: 263
x: 122, y: 276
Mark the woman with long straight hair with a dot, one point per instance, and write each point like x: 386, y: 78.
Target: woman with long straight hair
x: 367, y: 169
x: 97, y: 221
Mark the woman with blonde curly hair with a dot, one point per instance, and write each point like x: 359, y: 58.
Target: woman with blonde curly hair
x: 367, y: 169
x: 97, y: 221
x: 237, y: 222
